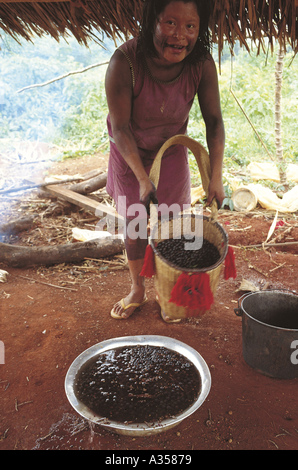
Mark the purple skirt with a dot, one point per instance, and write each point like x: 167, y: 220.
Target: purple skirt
x: 173, y: 187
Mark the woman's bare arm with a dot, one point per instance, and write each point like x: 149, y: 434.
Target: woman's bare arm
x: 209, y: 100
x: 118, y: 84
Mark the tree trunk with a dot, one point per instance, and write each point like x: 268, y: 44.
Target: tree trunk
x: 93, y: 184
x: 278, y: 113
x: 23, y: 256
x: 18, y: 225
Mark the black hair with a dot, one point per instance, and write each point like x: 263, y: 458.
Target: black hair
x: 151, y: 11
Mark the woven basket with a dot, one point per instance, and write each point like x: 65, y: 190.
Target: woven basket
x: 166, y: 273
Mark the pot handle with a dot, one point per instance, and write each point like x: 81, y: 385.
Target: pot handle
x: 238, y: 311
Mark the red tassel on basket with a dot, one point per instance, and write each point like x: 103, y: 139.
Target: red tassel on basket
x: 230, y: 268
x: 148, y: 269
x: 193, y: 291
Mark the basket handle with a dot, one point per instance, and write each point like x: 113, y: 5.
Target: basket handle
x: 202, y: 158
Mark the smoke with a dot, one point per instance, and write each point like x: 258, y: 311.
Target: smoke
x: 37, y: 125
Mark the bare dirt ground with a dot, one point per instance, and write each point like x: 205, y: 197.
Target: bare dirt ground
x: 49, y: 315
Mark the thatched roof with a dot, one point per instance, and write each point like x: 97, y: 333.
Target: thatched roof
x: 232, y: 20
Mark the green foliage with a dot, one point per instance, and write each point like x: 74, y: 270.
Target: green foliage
x: 252, y: 79
x: 85, y: 122
x: 72, y: 112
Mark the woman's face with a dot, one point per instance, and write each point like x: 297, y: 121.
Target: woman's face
x: 176, y: 31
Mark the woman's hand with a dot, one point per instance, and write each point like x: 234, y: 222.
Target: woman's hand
x: 147, y: 194
x: 216, y: 190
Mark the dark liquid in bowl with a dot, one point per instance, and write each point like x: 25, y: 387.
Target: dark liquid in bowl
x: 136, y: 384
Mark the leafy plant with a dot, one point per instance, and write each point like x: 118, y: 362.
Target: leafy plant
x: 72, y: 112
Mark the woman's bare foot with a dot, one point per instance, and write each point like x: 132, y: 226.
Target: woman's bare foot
x: 126, y: 306
x: 137, y: 297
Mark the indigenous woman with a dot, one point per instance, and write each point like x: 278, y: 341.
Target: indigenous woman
x: 151, y: 83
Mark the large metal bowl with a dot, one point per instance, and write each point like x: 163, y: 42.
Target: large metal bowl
x: 138, y: 429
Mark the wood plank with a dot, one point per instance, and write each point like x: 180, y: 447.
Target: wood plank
x: 85, y: 202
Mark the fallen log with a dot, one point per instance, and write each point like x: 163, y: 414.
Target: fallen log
x: 93, y: 184
x: 37, y: 185
x: 22, y: 256
x: 98, y: 181
x: 18, y: 225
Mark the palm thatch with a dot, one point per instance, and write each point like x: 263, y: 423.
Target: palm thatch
x: 249, y: 21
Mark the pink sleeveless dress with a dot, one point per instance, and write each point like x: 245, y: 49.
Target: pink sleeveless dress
x: 160, y: 110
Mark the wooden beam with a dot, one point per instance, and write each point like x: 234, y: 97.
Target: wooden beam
x: 85, y: 202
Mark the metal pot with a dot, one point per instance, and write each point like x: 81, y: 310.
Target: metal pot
x: 270, y: 332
